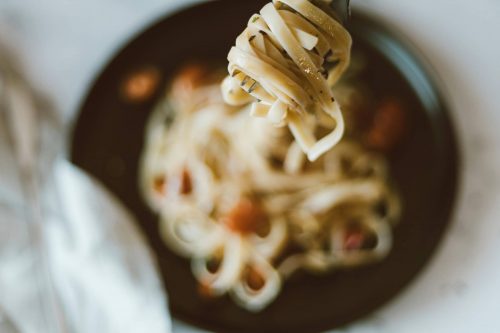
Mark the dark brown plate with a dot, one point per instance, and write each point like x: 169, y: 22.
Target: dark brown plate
x: 108, y: 138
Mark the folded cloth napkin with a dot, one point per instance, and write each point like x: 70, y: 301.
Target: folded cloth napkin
x: 71, y: 258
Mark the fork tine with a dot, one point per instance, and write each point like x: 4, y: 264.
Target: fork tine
x: 342, y: 9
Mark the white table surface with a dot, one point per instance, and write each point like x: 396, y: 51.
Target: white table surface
x: 66, y: 42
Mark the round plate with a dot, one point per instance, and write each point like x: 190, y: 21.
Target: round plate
x: 108, y: 139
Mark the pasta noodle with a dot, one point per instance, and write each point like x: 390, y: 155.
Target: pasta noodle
x: 286, y: 60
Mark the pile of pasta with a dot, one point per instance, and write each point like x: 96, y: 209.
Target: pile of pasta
x: 239, y: 197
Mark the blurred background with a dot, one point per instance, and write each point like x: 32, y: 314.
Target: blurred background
x: 63, y: 44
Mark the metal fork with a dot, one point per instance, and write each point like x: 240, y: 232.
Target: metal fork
x: 342, y: 9
x: 338, y: 9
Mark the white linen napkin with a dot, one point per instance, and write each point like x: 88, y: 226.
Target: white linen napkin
x: 71, y: 258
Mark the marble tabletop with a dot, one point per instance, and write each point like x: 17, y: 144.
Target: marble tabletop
x: 65, y: 43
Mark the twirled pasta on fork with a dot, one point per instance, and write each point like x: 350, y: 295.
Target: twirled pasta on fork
x: 285, y: 63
